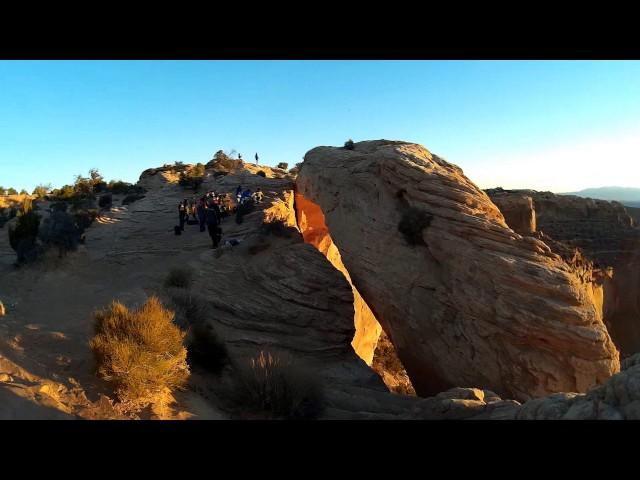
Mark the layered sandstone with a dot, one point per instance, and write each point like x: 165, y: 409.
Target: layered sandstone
x: 311, y: 223
x: 472, y: 302
x: 606, y: 234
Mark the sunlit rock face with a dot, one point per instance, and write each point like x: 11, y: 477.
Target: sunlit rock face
x: 607, y: 236
x: 315, y: 232
x: 466, y: 301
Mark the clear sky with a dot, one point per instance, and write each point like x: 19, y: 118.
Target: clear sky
x: 552, y: 125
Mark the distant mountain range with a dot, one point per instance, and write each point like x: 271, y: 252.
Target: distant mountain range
x: 624, y: 195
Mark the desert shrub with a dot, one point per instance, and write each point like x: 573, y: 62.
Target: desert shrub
x: 140, y: 351
x: 206, y: 349
x: 105, y: 201
x: 7, y: 214
x: 349, y: 145
x: 191, y: 308
x: 129, y: 199
x: 60, y: 230
x: 179, y: 277
x: 283, y: 165
x: 12, y: 191
x: 278, y: 387
x: 59, y: 207
x: 41, y: 190
x: 413, y: 222
x: 84, y: 218
x: 23, y: 236
x: 188, y: 180
x: 118, y: 187
x: 261, y: 174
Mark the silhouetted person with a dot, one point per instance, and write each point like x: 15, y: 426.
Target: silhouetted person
x: 258, y: 195
x: 213, y: 222
x: 182, y: 213
x: 201, y: 208
x: 256, y: 158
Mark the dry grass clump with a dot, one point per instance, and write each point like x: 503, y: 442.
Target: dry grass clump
x: 140, y: 351
x: 277, y: 387
x: 179, y: 277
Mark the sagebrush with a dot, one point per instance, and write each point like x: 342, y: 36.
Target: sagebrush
x: 179, y: 277
x: 140, y: 351
x: 278, y: 387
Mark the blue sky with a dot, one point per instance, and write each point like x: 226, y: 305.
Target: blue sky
x: 552, y: 125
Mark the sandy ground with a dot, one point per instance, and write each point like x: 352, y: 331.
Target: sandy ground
x: 45, y: 363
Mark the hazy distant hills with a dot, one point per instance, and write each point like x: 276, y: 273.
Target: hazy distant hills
x: 627, y: 196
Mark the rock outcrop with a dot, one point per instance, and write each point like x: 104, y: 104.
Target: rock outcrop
x: 605, y: 234
x: 464, y: 299
x: 311, y: 223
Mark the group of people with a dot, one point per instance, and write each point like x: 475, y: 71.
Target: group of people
x: 209, y: 210
x: 246, y: 195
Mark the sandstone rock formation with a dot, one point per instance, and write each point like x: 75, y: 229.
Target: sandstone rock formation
x: 310, y: 221
x: 470, y: 302
x: 605, y: 235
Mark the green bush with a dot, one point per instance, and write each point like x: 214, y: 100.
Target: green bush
x: 41, y: 190
x: 187, y: 180
x: 23, y: 236
x: 205, y: 348
x: 60, y: 230
x: 105, y: 201
x: 349, y: 145
x: 84, y: 218
x: 191, y: 308
x: 179, y: 277
x: 413, y: 222
x: 277, y: 387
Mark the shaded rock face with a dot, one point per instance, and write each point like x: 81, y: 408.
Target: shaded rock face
x: 605, y: 235
x: 314, y: 231
x: 470, y: 303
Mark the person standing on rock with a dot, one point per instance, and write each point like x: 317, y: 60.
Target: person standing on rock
x: 257, y: 158
x: 201, y: 208
x: 182, y: 213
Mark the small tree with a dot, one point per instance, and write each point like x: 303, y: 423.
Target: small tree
x: 349, y: 145
x: 283, y: 165
x: 22, y: 237
x: 12, y: 191
x: 42, y: 190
